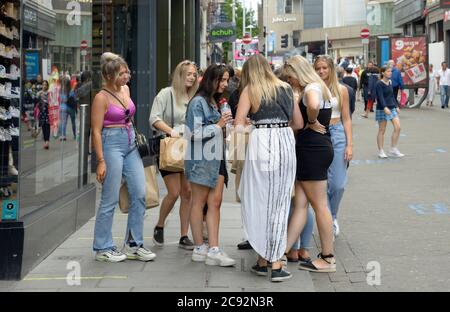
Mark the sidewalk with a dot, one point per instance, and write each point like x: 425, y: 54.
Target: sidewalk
x: 395, y: 213
x: 171, y: 271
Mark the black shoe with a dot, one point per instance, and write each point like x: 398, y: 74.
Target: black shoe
x: 280, y: 275
x: 244, y: 245
x: 186, y: 243
x: 158, y: 236
x: 259, y: 270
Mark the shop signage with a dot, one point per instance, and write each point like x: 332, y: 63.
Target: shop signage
x: 445, y: 4
x: 410, y: 55
x: 223, y: 32
x: 9, y: 210
x: 32, y: 61
x: 276, y: 20
x: 30, y: 17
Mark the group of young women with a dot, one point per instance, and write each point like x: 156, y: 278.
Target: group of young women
x: 298, y: 152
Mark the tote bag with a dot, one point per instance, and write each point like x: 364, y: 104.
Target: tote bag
x: 151, y: 191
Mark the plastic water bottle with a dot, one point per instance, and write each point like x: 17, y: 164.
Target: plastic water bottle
x: 224, y: 107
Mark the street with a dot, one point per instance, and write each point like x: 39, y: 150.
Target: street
x: 394, y: 222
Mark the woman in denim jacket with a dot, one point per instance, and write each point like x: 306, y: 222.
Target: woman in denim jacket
x: 205, y: 165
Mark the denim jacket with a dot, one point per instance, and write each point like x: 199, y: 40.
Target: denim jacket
x: 205, y: 143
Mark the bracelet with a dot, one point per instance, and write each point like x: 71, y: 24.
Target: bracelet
x: 312, y: 122
x: 101, y: 160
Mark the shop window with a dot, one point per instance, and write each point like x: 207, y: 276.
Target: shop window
x: 288, y: 8
x: 54, y: 84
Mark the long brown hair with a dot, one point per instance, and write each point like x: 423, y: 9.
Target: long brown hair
x: 262, y: 84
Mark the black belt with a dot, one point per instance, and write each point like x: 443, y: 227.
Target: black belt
x: 273, y: 125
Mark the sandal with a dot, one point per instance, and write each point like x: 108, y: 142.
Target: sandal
x: 309, y: 266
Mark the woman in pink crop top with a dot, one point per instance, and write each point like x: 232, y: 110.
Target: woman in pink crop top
x: 117, y: 157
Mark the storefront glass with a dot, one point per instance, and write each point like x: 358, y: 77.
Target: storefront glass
x: 57, y: 40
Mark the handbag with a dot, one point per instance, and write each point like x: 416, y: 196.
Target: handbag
x: 172, y: 150
x: 139, y: 138
x: 403, y: 99
x: 155, y: 142
x: 151, y: 191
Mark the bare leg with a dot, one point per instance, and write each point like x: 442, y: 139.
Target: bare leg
x: 173, y: 186
x: 396, y: 132
x: 199, y: 198
x: 316, y: 192
x: 185, y: 206
x: 299, y: 215
x: 380, y: 136
x: 213, y: 215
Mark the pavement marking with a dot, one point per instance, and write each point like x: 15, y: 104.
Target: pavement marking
x: 117, y: 237
x: 58, y: 278
x: 439, y: 208
x: 441, y: 150
x: 356, y: 162
x: 418, y: 208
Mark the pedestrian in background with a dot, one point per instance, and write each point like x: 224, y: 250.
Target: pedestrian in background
x: 397, y: 80
x: 370, y: 90
x: 431, y: 86
x: 114, y: 144
x: 168, y: 117
x: 443, y: 81
x: 387, y: 111
x: 314, y: 152
x: 341, y: 135
x: 205, y: 166
x: 269, y: 169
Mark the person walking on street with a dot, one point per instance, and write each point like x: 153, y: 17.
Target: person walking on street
x: 44, y: 121
x: 387, y: 110
x: 269, y: 170
x: 443, y: 81
x: 397, y: 80
x: 341, y: 135
x: 314, y: 151
x: 168, y: 117
x: 205, y: 166
x: 431, y: 86
x: 114, y: 144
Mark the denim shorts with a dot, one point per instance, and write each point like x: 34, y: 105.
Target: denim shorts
x: 382, y: 116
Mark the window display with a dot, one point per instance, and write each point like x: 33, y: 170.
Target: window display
x: 9, y: 108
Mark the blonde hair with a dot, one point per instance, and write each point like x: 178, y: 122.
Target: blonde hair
x: 261, y: 82
x: 333, y: 83
x: 178, y: 81
x: 299, y: 68
x: 110, y: 64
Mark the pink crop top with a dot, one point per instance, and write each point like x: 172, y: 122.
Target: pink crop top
x: 116, y: 116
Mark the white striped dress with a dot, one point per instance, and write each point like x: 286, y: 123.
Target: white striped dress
x: 268, y: 179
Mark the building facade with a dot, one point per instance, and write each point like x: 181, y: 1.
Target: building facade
x: 281, y: 18
x: 47, y: 193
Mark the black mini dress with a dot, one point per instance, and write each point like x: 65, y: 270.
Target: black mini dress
x: 314, y: 150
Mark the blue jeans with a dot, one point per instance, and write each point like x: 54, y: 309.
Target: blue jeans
x: 65, y: 112
x: 337, y: 172
x: 444, y: 90
x: 304, y: 241
x: 122, y: 159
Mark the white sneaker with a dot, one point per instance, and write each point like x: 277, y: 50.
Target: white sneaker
x: 382, y: 154
x: 336, y: 230
x: 219, y: 258
x: 110, y: 256
x: 138, y: 253
x: 199, y: 253
x: 394, y: 152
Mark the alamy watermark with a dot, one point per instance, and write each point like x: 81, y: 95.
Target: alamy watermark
x: 373, y: 277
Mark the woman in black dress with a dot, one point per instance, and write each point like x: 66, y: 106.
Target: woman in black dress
x: 314, y: 155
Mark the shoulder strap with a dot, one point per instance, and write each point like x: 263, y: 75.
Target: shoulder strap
x: 121, y: 103
x: 171, y: 103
